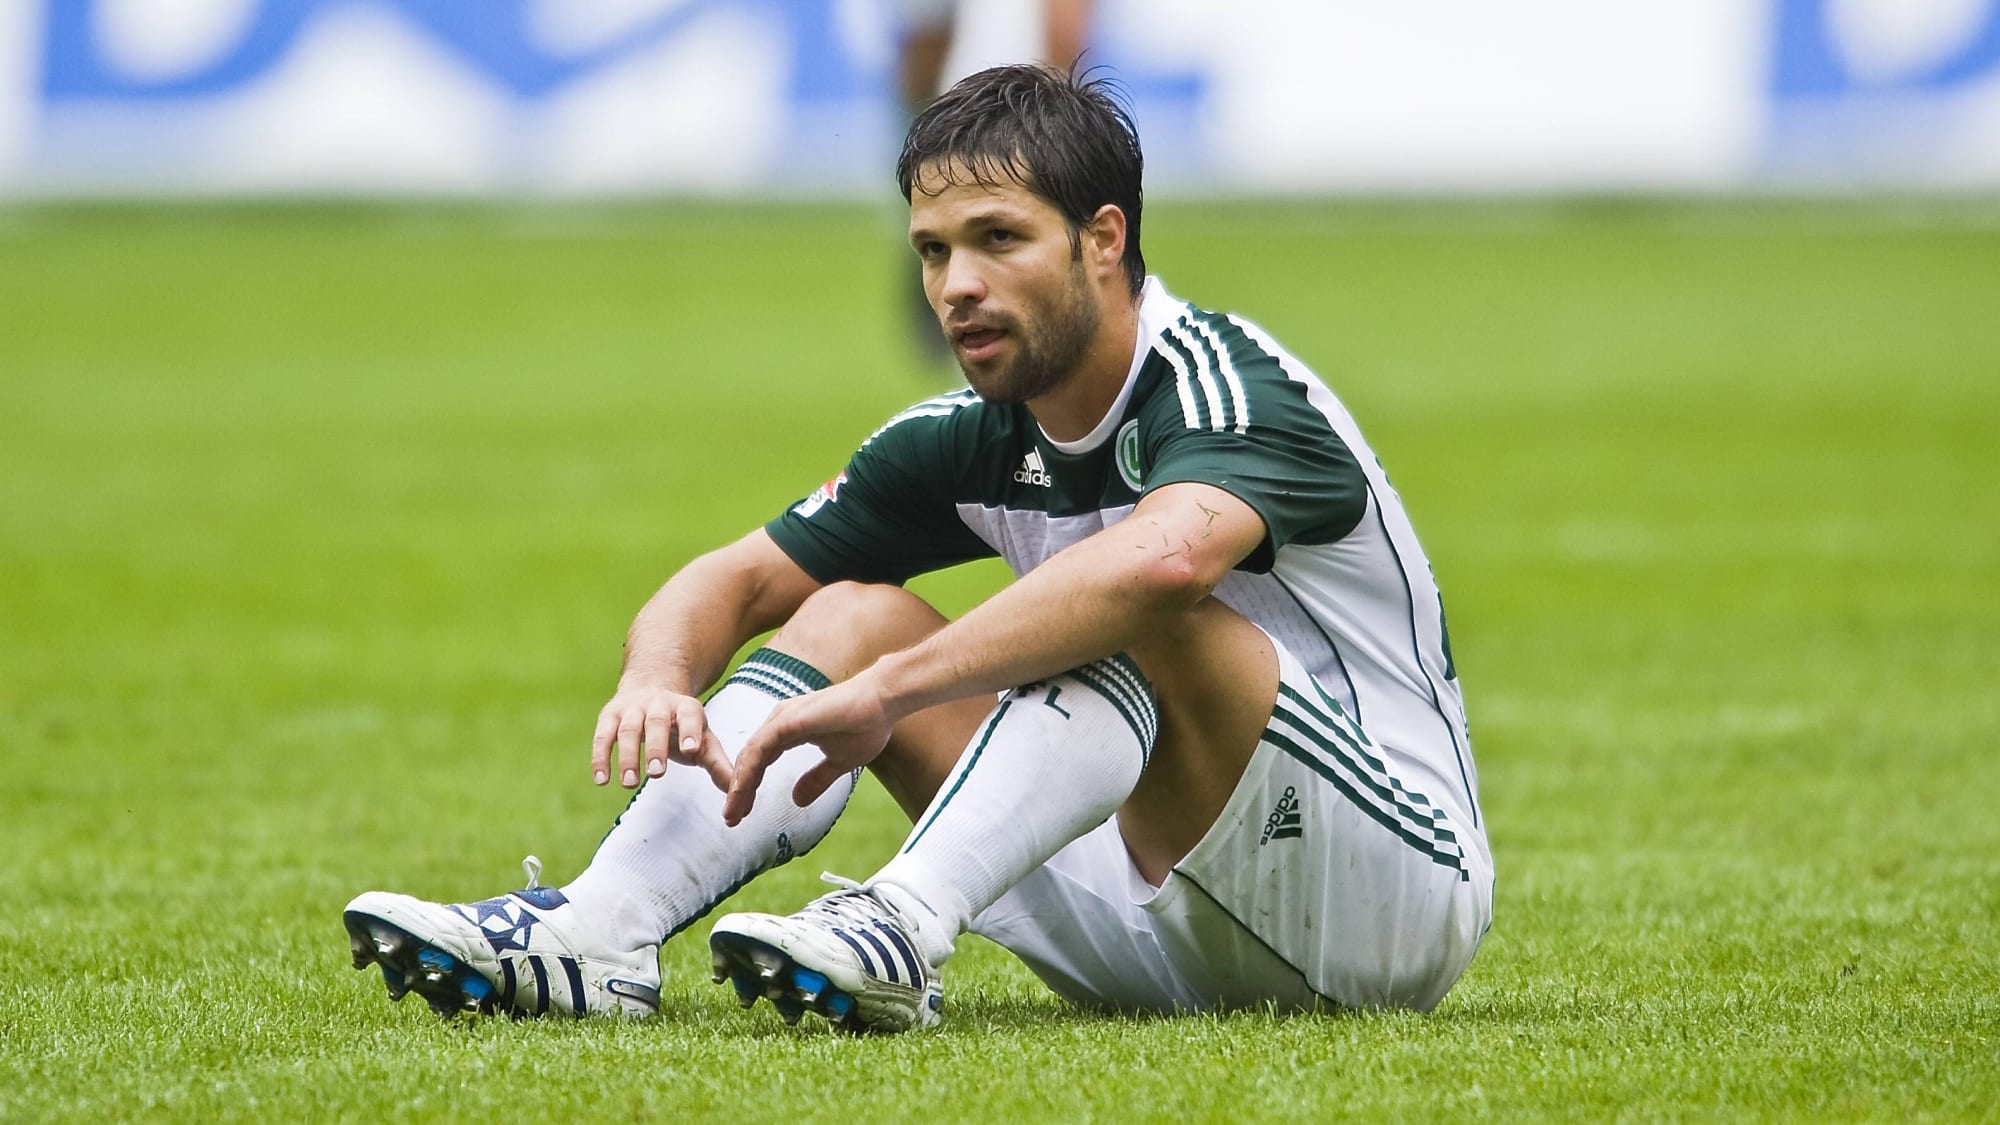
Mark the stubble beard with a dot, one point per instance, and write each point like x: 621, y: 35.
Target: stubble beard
x: 1048, y: 353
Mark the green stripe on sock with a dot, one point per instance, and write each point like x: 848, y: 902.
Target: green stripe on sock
x: 1131, y: 709
x: 772, y: 658
x: 1122, y: 670
x: 763, y: 680
x: 1094, y: 679
x: 972, y: 760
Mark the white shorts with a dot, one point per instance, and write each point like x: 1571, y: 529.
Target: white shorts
x: 1325, y: 879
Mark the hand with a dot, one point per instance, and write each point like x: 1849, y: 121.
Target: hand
x: 669, y: 725
x: 849, y: 722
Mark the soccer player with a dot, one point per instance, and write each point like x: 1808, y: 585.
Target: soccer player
x: 1206, y: 751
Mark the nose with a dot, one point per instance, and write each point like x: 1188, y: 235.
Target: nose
x: 963, y: 283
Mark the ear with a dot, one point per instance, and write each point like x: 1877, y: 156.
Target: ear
x: 1104, y: 240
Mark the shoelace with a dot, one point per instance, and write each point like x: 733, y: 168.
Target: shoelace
x: 855, y: 905
x: 532, y: 868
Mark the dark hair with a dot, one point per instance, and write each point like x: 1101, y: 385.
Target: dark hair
x: 1067, y: 138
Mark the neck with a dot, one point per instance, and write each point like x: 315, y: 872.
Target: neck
x: 1078, y: 404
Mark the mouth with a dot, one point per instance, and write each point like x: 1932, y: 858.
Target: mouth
x: 977, y: 342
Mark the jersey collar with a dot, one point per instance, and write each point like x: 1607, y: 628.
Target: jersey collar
x: 1157, y: 310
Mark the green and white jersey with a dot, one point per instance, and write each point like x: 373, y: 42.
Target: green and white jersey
x: 1339, y: 579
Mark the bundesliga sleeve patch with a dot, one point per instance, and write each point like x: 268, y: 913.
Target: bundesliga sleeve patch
x: 822, y: 496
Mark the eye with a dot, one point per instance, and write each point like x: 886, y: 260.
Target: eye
x: 999, y: 236
x: 930, y: 250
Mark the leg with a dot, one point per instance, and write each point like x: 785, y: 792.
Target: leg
x: 592, y: 946
x: 844, y: 628
x: 1287, y: 859
x: 1216, y: 677
x: 669, y: 859
x: 999, y: 823
x: 1050, y: 762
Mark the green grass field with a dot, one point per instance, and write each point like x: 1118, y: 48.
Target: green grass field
x: 320, y: 529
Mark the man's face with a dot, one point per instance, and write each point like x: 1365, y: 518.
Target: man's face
x: 1011, y: 295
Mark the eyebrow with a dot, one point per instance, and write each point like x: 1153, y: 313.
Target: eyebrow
x: 983, y: 220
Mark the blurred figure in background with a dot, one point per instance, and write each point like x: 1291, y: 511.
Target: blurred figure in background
x: 928, y: 26
x: 928, y: 31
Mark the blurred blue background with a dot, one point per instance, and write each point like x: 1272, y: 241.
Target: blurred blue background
x: 787, y: 98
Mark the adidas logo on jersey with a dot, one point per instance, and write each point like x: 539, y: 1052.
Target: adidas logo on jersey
x: 1284, y: 821
x: 1032, y: 470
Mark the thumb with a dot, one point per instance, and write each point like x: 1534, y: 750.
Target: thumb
x: 714, y: 761
x: 813, y: 784
x: 749, y: 774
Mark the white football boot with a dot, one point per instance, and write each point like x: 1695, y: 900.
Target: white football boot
x: 857, y: 957
x: 522, y: 953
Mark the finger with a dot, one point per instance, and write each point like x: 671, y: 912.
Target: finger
x: 814, y: 783
x: 757, y: 754
x: 658, y: 726
x: 714, y: 760
x: 600, y: 746
x: 690, y: 729
x: 629, y: 726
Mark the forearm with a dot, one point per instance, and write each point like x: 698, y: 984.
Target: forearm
x: 1096, y: 598
x: 685, y: 634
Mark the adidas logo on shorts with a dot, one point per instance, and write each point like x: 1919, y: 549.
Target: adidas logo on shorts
x: 1284, y: 821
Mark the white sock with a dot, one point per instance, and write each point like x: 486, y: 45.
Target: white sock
x: 1052, y: 761
x: 669, y: 859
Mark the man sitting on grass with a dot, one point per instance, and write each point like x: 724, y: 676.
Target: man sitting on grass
x: 1227, y: 764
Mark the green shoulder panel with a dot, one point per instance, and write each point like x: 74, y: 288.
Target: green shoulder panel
x: 892, y: 513
x: 1226, y: 413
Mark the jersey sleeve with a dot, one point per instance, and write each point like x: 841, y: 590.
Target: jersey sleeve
x: 889, y: 516
x: 1287, y: 464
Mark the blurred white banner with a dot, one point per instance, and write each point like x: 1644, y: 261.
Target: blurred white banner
x: 792, y: 97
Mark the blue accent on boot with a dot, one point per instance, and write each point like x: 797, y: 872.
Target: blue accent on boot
x: 546, y: 898
x: 436, y: 959
x: 805, y: 980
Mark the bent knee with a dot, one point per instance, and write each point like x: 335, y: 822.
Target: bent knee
x: 843, y: 627
x: 1208, y: 645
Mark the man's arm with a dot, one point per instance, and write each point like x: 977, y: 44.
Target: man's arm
x: 1098, y: 597
x: 678, y: 645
